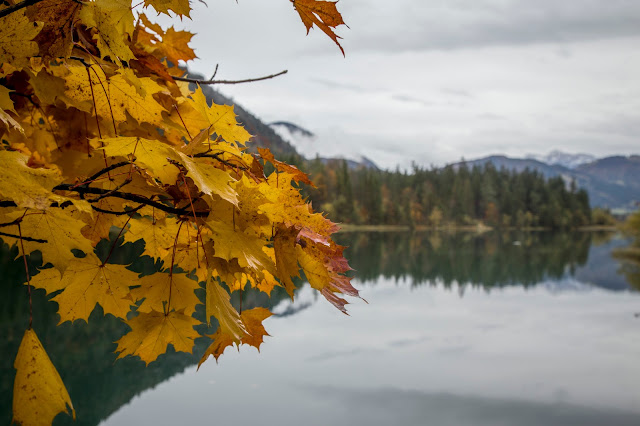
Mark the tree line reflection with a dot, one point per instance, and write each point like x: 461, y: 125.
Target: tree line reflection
x: 491, y: 259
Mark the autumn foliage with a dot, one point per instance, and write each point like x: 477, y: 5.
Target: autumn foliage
x: 103, y: 140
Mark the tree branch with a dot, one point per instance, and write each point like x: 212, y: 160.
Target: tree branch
x: 9, y: 10
x: 17, y: 237
x: 126, y: 196
x: 249, y: 80
x: 216, y: 156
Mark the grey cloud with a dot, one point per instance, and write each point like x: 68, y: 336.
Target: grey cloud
x: 491, y: 117
x: 411, y: 99
x: 343, y: 86
x: 457, y: 92
x: 472, y: 23
x: 626, y: 125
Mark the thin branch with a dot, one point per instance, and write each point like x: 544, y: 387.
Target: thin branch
x: 223, y: 161
x: 33, y: 240
x: 125, y: 196
x: 9, y: 10
x: 249, y: 80
x: 122, y: 213
x: 105, y: 170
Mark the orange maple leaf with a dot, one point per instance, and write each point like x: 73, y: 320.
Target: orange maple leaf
x: 322, y: 13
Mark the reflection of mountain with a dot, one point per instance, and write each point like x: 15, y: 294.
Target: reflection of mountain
x: 493, y: 259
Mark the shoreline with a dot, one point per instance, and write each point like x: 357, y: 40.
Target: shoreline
x: 467, y: 228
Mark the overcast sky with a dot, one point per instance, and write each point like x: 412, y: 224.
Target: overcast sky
x: 433, y: 81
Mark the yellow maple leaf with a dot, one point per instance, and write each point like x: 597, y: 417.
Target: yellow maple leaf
x: 245, y: 246
x: 314, y: 269
x: 113, y: 96
x: 221, y: 341
x: 26, y: 186
x: 210, y: 179
x: 197, y: 115
x: 112, y: 19
x: 47, y: 86
x: 324, y: 14
x: 284, y: 244
x: 179, y: 7
x: 87, y: 282
x: 151, y: 155
x: 152, y: 332
x: 16, y: 35
x: 158, y: 234
x: 252, y: 319
x: 218, y: 305
x: 60, y: 230
x: 175, y: 46
x: 38, y: 392
x: 164, y: 292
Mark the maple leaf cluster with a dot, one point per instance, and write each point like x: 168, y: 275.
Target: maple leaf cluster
x: 100, y: 134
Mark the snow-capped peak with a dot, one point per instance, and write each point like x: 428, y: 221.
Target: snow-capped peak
x: 567, y: 160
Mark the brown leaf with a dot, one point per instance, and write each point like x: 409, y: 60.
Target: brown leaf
x: 59, y: 17
x: 322, y: 13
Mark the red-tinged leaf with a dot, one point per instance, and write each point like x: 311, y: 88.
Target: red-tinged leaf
x: 298, y: 175
x: 336, y: 301
x: 324, y: 14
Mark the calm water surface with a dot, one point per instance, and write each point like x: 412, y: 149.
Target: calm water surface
x: 493, y: 329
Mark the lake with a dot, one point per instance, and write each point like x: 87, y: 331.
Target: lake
x: 460, y: 329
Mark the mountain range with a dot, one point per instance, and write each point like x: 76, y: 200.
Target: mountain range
x: 612, y: 182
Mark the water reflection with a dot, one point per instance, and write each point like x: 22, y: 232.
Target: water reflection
x: 99, y: 386
x: 491, y: 259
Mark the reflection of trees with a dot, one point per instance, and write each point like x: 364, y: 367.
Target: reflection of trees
x: 490, y: 259
x: 83, y: 353
x: 629, y: 256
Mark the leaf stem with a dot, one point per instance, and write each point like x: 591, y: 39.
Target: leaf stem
x: 173, y: 258
x: 113, y: 246
x: 26, y: 271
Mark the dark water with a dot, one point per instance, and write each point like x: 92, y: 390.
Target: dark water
x: 460, y: 329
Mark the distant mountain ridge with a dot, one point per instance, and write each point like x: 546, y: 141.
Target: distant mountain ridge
x: 612, y: 182
x: 559, y: 158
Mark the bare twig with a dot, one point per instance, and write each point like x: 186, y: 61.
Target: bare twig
x: 33, y: 240
x: 214, y: 73
x: 125, y: 196
x: 249, y: 80
x: 9, y: 10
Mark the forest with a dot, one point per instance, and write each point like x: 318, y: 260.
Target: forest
x: 456, y: 195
